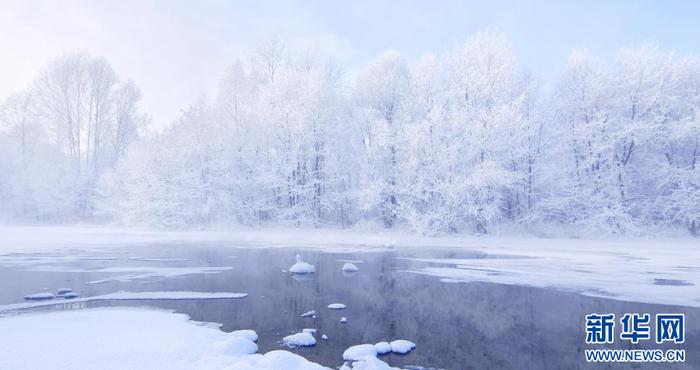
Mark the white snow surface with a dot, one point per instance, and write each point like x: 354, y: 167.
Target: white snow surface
x: 130, y: 338
x: 299, y: 340
x: 127, y: 296
x: 336, y: 306
x: 350, y: 267
x: 247, y: 334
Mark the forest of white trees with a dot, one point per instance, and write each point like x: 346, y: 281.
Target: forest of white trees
x: 464, y: 142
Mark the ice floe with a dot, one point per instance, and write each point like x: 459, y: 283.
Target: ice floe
x: 309, y: 330
x: 39, y: 296
x: 350, y: 267
x: 336, y: 306
x: 69, y: 295
x: 63, y: 291
x: 308, y: 313
x: 299, y: 340
x: 301, y: 267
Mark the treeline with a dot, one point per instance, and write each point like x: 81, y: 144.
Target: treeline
x: 462, y: 142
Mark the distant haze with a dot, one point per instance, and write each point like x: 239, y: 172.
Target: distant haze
x: 176, y: 51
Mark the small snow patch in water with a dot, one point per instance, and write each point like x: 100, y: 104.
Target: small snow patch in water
x: 343, y: 320
x: 360, y: 351
x: 308, y: 314
x: 64, y: 291
x: 383, y: 347
x: 302, y: 267
x: 310, y: 331
x: 299, y: 340
x: 336, y: 306
x: 402, y: 346
x: 349, y: 267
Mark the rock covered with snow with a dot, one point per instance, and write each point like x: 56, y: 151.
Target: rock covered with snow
x: 336, y: 306
x: 402, y: 346
x: 360, y: 351
x: 246, y: 333
x: 301, y: 267
x: 299, y: 340
x: 350, y: 267
x: 383, y: 348
x: 343, y: 320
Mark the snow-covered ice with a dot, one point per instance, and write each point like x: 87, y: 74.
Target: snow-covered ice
x: 144, y: 259
x: 299, y: 340
x: 246, y: 333
x: 402, y: 346
x: 336, y: 306
x: 127, y: 296
x: 358, y: 352
x: 301, y: 267
x: 383, y: 347
x: 130, y: 338
x: 350, y: 267
x: 39, y: 296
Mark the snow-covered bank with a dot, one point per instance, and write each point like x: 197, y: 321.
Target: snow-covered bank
x: 130, y: 338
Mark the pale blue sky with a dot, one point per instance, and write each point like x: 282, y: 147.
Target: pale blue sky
x: 176, y: 50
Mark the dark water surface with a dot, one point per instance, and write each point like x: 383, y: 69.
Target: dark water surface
x: 455, y: 325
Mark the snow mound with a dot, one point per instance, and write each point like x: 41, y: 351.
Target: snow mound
x: 369, y: 363
x: 383, y: 348
x: 343, y: 320
x: 39, y: 296
x: 402, y: 346
x: 302, y: 267
x: 350, y: 267
x: 308, y: 313
x: 246, y: 333
x: 360, y: 351
x: 68, y: 340
x: 299, y: 340
x: 336, y: 306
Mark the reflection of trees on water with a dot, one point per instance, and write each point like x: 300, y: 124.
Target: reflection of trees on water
x: 455, y: 325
